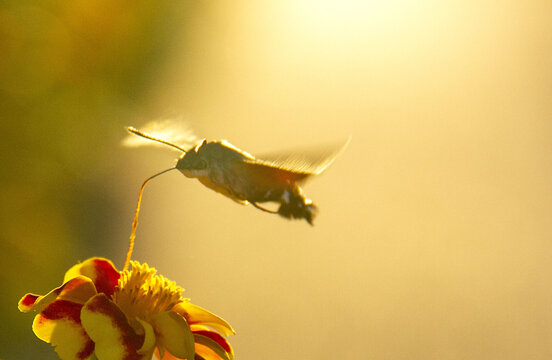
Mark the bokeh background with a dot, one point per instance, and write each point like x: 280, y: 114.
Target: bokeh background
x: 434, y: 234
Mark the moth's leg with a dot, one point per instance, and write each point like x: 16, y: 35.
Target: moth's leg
x: 263, y: 209
x: 240, y: 201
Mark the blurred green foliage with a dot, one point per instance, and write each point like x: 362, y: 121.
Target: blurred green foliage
x: 71, y: 72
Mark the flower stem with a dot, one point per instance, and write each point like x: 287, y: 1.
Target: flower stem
x: 135, y: 221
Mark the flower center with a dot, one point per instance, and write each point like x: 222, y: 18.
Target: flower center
x: 141, y: 293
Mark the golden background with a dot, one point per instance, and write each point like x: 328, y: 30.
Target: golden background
x: 434, y: 235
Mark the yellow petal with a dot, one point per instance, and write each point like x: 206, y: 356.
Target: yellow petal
x: 77, y: 290
x: 197, y: 315
x: 101, y: 271
x: 59, y: 324
x: 196, y: 327
x: 168, y: 356
x: 202, y: 340
x: 108, y: 327
x: 174, y: 334
x: 149, y: 339
x: 205, y: 353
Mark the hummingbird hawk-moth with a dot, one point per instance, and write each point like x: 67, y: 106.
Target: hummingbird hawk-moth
x: 245, y: 178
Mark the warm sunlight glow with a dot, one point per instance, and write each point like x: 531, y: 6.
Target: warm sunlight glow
x: 432, y: 237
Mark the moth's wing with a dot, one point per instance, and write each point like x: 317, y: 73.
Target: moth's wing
x: 302, y: 163
x: 169, y: 130
x: 268, y: 174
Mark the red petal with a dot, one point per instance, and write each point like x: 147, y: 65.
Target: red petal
x: 216, y: 337
x: 62, y: 309
x: 101, y: 271
x: 27, y: 302
x: 107, y: 276
x: 108, y: 327
x: 77, y: 290
x: 59, y: 324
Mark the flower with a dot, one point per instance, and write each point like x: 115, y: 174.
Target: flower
x: 102, y: 313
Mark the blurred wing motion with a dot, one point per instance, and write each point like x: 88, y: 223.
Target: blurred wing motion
x: 169, y: 130
x: 299, y: 164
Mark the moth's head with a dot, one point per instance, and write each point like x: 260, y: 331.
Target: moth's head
x: 194, y: 163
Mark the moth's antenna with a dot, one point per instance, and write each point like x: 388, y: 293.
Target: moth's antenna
x: 135, y: 221
x: 147, y: 136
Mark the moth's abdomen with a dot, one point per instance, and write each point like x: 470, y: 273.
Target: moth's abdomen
x: 294, y: 205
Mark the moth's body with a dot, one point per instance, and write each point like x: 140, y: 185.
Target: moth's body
x: 238, y: 175
x: 246, y: 179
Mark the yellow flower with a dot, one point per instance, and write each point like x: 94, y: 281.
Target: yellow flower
x: 133, y: 314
